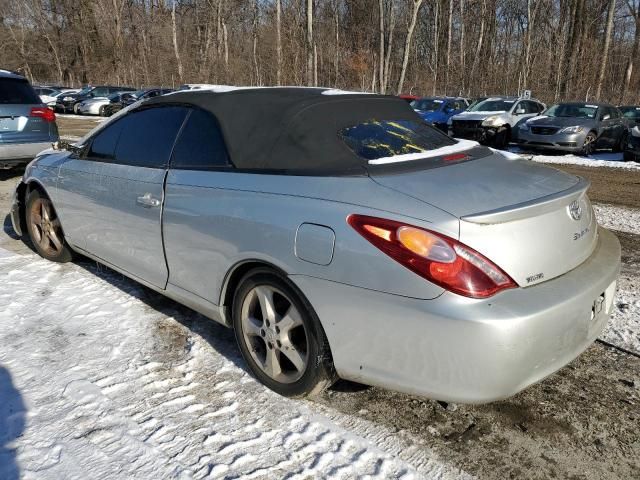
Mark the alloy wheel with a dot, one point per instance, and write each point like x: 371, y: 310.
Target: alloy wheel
x: 589, y: 144
x: 275, y: 334
x: 45, y: 225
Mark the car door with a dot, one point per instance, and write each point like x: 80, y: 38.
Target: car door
x: 607, y: 127
x: 126, y: 197
x: 197, y: 211
x: 619, y: 127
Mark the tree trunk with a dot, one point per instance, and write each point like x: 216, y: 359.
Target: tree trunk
x: 336, y: 60
x: 476, y: 58
x: 605, y: 49
x: 175, y: 41
x: 279, y: 42
x: 435, y: 47
x: 407, y: 43
x: 310, y: 42
x: 634, y: 52
x: 463, y: 74
x: 381, y: 46
x: 449, y: 30
x: 255, y: 43
x: 387, y: 61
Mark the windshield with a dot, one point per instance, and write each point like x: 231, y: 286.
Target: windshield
x: 427, y: 104
x: 631, y: 112
x: 492, y: 105
x: 572, y: 110
x: 84, y: 91
x: 387, y: 138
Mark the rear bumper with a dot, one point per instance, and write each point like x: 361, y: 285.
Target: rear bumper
x: 464, y: 350
x: 13, y: 154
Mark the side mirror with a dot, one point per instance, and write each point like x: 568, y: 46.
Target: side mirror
x: 65, y: 145
x: 520, y: 111
x: 606, y: 117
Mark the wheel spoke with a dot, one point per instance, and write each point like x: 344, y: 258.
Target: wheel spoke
x: 252, y: 327
x: 44, y: 211
x: 36, y: 219
x: 53, y: 237
x: 294, y: 355
x: 265, y: 297
x: 37, y: 230
x: 290, y: 320
x: 272, y: 363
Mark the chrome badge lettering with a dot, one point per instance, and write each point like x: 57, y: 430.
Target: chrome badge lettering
x: 580, y: 234
x: 533, y: 278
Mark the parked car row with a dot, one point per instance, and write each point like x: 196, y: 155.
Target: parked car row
x: 575, y: 127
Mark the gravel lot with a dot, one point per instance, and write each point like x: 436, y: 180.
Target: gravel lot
x: 581, y: 423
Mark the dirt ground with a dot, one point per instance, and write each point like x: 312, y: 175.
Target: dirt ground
x: 581, y: 423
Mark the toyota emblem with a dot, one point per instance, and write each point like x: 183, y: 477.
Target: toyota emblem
x: 575, y: 210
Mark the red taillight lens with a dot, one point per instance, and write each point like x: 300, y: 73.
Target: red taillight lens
x: 43, y: 112
x: 436, y: 257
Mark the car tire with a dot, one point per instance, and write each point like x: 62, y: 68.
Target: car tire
x: 45, y: 230
x: 628, y: 157
x: 75, y: 109
x: 502, y: 137
x: 621, y: 143
x: 280, y: 336
x: 589, y: 145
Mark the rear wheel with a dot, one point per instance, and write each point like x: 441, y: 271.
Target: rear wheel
x: 45, y: 230
x: 280, y: 337
x: 589, y: 145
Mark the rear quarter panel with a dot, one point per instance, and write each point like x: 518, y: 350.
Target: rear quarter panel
x: 214, y: 220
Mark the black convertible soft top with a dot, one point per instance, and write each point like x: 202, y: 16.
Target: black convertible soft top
x: 292, y: 129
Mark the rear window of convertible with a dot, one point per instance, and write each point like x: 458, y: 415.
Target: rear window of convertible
x: 376, y: 139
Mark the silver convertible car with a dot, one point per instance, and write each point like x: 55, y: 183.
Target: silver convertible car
x: 338, y: 235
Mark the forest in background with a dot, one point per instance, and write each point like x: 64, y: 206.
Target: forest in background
x: 559, y: 49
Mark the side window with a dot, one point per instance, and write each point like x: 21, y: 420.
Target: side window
x: 103, y: 145
x: 148, y: 136
x: 604, y: 111
x: 200, y: 145
x: 100, y: 92
x: 615, y: 113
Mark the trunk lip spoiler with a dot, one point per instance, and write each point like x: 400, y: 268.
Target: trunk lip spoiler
x: 536, y: 206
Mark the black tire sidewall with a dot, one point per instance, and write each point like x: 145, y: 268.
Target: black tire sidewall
x: 65, y: 254
x: 319, y: 373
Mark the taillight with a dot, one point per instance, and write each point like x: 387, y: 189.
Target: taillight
x: 436, y: 257
x: 43, y: 112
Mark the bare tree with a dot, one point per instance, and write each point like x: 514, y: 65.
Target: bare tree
x: 174, y: 30
x: 607, y: 44
x: 279, y: 42
x: 310, y: 49
x: 416, y: 4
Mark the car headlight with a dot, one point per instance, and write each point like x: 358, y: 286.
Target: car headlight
x: 523, y: 126
x: 67, y: 99
x: 494, y: 121
x: 574, y: 129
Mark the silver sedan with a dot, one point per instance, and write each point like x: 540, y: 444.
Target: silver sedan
x: 338, y: 235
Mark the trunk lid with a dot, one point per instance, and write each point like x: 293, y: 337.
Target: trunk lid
x: 534, y: 222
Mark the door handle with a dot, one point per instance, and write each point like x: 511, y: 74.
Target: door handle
x: 148, y: 201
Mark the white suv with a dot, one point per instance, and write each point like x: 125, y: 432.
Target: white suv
x: 492, y: 120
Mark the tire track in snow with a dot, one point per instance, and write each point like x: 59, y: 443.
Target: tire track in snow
x: 135, y: 386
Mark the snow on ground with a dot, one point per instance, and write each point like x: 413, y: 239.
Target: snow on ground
x: 623, y: 328
x: 600, y: 159
x: 102, y: 378
x: 94, y: 118
x: 622, y: 219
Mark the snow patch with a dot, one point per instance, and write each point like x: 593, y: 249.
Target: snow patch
x: 622, y: 219
x: 461, y: 146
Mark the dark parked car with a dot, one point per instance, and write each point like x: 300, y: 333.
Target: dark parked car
x: 69, y: 103
x: 127, y: 100
x: 632, y: 146
x: 631, y: 113
x: 576, y: 127
x: 27, y: 126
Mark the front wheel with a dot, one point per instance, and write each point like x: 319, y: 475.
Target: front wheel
x: 501, y: 140
x: 280, y: 337
x: 589, y: 145
x: 45, y: 230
